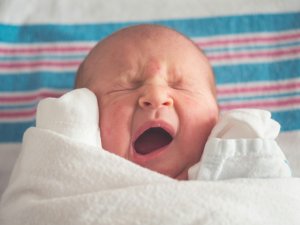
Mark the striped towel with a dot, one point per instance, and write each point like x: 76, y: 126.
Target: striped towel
x: 256, y: 60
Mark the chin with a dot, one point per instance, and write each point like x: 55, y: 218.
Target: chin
x: 182, y: 176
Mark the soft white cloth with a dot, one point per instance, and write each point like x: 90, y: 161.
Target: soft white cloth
x: 246, y: 123
x: 75, y: 115
x: 59, y: 179
x: 242, y: 144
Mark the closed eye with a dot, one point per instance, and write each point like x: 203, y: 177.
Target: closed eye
x: 176, y: 83
x: 121, y: 90
x: 125, y: 88
x: 178, y: 86
x: 183, y: 88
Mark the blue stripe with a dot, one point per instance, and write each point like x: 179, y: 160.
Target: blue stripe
x: 34, y: 81
x: 289, y: 120
x: 13, y: 132
x: 253, y: 72
x: 257, y: 97
x: 194, y: 27
x: 42, y: 57
x: 19, y: 106
x: 252, y: 47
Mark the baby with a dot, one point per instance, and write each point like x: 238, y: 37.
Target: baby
x: 157, y: 103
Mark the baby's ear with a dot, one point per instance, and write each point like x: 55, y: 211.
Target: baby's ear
x: 74, y: 115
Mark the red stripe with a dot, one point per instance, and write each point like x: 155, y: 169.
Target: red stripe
x: 265, y: 88
x: 18, y: 114
x: 274, y: 53
x: 39, y: 64
x: 245, y: 40
x: 262, y: 104
x: 31, y: 97
x: 208, y: 43
x: 34, y: 50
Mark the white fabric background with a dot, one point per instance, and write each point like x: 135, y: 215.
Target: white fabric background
x: 91, y: 11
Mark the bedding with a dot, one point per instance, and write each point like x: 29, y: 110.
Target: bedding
x: 97, y: 187
x: 254, y: 49
x: 63, y: 177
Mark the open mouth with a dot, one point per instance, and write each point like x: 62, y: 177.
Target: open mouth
x: 151, y: 140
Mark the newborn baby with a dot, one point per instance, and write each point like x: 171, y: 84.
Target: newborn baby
x: 156, y: 97
x: 157, y: 100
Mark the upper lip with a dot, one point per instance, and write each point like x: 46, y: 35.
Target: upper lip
x: 151, y: 124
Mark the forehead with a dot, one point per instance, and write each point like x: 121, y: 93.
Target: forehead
x: 128, y: 52
x: 167, y: 47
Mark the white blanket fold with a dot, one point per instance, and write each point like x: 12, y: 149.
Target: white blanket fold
x: 59, y: 180
x: 62, y: 177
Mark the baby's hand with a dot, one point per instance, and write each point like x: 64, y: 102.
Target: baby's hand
x: 246, y: 123
x: 74, y: 115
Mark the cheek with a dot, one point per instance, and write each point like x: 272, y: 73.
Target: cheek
x: 114, y: 125
x: 197, y: 120
x: 201, y: 110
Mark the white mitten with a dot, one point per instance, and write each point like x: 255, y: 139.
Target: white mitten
x: 242, y: 145
x: 246, y: 123
x: 74, y: 115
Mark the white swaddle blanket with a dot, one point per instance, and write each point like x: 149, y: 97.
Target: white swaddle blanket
x: 63, y: 177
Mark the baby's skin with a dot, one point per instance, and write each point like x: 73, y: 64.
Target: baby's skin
x: 156, y: 95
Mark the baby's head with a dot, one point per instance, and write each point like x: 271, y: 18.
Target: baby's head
x: 156, y: 97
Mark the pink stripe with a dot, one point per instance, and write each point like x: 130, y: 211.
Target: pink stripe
x: 265, y: 88
x: 19, y: 65
x: 18, y: 114
x: 262, y: 104
x: 35, y: 50
x: 208, y: 43
x: 274, y: 53
x: 32, y: 97
x: 245, y: 40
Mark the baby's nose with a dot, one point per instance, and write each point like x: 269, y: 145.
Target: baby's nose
x: 154, y: 98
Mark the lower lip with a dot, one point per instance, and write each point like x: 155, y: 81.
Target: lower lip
x: 140, y: 158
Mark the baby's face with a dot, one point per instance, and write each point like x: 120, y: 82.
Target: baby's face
x: 155, y: 97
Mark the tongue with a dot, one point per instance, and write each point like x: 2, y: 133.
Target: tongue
x: 151, y: 140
